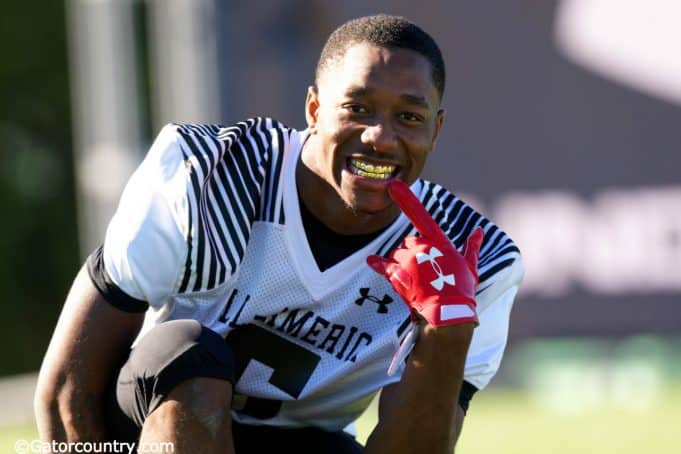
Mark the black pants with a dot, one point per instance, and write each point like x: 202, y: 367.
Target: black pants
x: 182, y: 349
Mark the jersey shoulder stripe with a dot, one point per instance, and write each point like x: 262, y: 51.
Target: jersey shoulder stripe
x: 458, y: 220
x: 233, y: 181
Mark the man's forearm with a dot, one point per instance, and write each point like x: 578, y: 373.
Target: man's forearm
x: 90, y: 340
x: 48, y: 420
x: 421, y: 415
x: 69, y: 415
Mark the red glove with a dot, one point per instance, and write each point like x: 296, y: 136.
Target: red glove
x: 428, y: 272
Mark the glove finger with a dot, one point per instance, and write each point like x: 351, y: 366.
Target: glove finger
x: 416, y: 212
x: 398, y: 276
x: 391, y: 270
x: 471, y: 251
x: 379, y: 264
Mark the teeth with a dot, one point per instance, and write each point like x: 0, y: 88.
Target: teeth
x: 379, y: 176
x: 369, y: 170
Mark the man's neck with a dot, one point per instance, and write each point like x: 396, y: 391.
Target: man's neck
x: 328, y: 247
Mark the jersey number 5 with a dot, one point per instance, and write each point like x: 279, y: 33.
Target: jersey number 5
x: 292, y: 365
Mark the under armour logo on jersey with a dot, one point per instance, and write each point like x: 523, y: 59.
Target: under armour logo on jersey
x: 442, y: 278
x: 382, y: 303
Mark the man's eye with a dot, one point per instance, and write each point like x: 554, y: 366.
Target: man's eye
x: 408, y: 116
x: 356, y: 108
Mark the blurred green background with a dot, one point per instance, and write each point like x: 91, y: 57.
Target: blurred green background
x: 38, y: 234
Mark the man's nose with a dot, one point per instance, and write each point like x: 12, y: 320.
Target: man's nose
x: 380, y: 136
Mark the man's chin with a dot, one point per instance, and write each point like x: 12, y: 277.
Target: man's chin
x: 369, y: 201
x: 369, y: 207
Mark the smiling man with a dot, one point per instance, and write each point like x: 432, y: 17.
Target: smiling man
x: 258, y: 285
x: 373, y: 116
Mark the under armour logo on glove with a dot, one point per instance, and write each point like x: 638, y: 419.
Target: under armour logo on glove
x: 427, y: 271
x: 442, y: 279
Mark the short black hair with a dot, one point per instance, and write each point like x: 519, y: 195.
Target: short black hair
x: 383, y: 30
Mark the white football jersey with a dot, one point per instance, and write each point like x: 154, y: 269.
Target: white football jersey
x: 209, y: 228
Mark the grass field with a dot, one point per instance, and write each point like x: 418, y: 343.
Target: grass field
x: 9, y: 435
x: 511, y: 422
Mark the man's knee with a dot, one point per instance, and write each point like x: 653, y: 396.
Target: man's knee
x: 203, y: 401
x: 166, y: 342
x: 175, y: 359
x: 179, y: 350
x: 194, y: 417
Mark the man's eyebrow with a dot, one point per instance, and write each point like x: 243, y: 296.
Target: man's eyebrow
x: 358, y: 91
x: 416, y: 100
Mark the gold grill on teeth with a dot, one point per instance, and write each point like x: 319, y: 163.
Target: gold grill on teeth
x: 366, y: 169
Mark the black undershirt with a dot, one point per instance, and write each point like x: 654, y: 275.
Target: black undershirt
x: 327, y: 246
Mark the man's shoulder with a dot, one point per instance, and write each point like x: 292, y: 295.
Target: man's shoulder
x: 262, y: 128
x: 458, y: 219
x: 248, y: 145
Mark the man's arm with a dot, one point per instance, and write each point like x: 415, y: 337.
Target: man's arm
x: 90, y: 340
x: 438, y: 284
x: 421, y: 413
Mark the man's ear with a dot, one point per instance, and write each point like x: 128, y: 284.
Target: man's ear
x: 438, y: 124
x: 312, y: 108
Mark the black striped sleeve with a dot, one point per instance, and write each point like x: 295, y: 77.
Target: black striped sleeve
x: 233, y: 180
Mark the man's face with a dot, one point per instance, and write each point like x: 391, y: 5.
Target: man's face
x: 375, y: 115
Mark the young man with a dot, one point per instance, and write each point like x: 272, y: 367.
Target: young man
x: 239, y: 267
